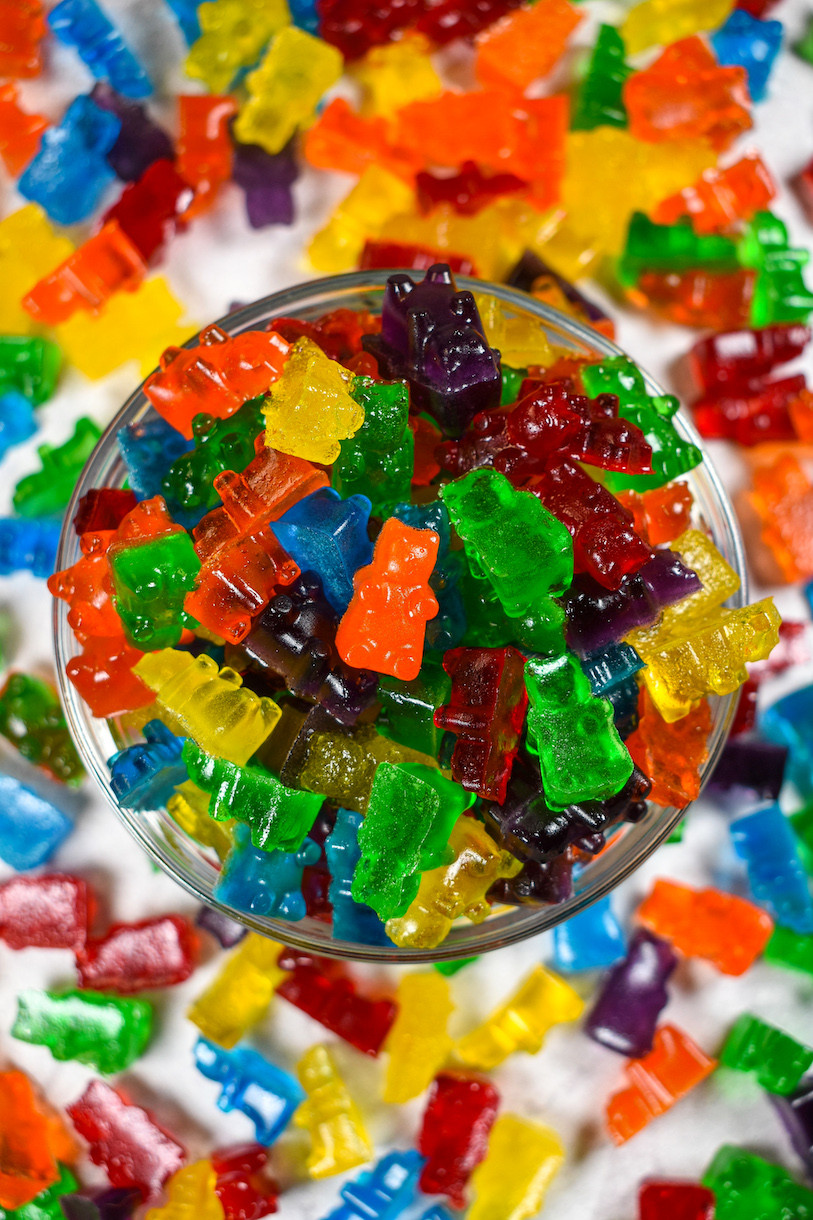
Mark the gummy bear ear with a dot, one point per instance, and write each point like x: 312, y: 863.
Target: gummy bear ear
x: 439, y: 273
x: 400, y: 286
x: 462, y: 305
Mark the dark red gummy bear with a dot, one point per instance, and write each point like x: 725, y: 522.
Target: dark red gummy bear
x: 103, y: 508
x: 137, y: 957
x: 243, y: 1191
x: 454, y: 1136
x: 53, y: 911
x: 320, y: 987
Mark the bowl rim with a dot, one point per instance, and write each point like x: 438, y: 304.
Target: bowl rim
x: 531, y: 920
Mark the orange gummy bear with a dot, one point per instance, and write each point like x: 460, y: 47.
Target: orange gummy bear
x: 782, y: 498
x: 686, y: 95
x: 525, y: 45
x: 103, y: 675
x: 722, y: 928
x: 204, y: 148
x: 671, y: 1069
x: 88, y: 589
x: 661, y: 514
x: 103, y: 265
x: 671, y: 754
x: 342, y: 139
x: 271, y: 484
x: 22, y: 29
x: 384, y: 626
x: 699, y: 298
x: 32, y: 1139
x: 721, y: 197
x: 20, y: 132
x: 234, y: 585
x: 216, y: 376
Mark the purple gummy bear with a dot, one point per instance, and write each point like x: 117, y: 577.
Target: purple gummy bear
x: 432, y: 335
x: 536, y: 884
x: 227, y: 931
x: 117, y: 1203
x: 625, y: 1015
x: 597, y: 617
x: 295, y: 638
x: 266, y: 178
x: 140, y: 141
x: 796, y: 1113
x: 525, y: 826
x: 749, y: 762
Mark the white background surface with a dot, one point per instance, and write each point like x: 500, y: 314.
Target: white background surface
x: 221, y: 260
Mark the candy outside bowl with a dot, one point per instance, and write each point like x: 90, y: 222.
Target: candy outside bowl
x: 195, y: 867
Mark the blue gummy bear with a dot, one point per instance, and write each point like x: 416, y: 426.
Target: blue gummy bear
x: 70, y: 173
x: 31, y: 828
x: 326, y: 534
x: 145, y: 776
x: 83, y: 25
x: 16, y: 420
x: 186, y: 14
x: 611, y: 666
x: 265, y: 882
x: 765, y: 840
x: 352, y: 920
x: 305, y: 15
x: 448, y: 627
x: 149, y: 448
x: 753, y: 44
x: 383, y: 1192
x: 29, y: 544
x: 789, y: 722
x: 437, y: 1212
x: 591, y: 940
x: 259, y: 1089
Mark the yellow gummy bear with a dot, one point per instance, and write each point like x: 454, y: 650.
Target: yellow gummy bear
x: 395, y: 74
x: 455, y: 889
x: 29, y: 250
x: 710, y: 658
x: 285, y: 89
x: 377, y: 196
x: 522, y: 1160
x: 196, y: 699
x: 520, y: 1024
x: 189, y: 808
x: 310, y: 409
x: 132, y: 326
x: 342, y: 766
x: 239, y: 996
x: 418, y: 1044
x: 191, y: 1195
x: 330, y: 1116
x: 665, y: 21
x: 475, y: 237
x: 518, y: 337
x: 234, y: 35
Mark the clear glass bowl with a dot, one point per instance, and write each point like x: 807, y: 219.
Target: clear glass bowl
x: 195, y: 867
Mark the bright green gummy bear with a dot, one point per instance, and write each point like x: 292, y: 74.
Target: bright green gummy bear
x: 46, y: 492
x: 599, y: 100
x: 410, y: 815
x: 748, y: 1188
x: 581, y: 755
x: 777, y: 1060
x: 513, y: 542
x: 671, y: 455
x: 377, y: 461
x: 107, y: 1032
x: 674, y: 247
x: 278, y: 817
x: 151, y: 580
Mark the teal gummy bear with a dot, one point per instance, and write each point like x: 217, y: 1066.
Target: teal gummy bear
x: 265, y: 882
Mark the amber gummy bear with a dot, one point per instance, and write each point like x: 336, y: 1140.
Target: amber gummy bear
x: 672, y: 755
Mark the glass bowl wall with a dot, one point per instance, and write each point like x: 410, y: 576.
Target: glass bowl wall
x: 195, y: 867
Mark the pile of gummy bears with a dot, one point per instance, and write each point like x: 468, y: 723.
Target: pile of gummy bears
x: 405, y: 618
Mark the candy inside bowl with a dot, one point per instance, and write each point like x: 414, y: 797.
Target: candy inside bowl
x: 386, y: 723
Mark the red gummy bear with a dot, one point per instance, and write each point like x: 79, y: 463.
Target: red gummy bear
x: 244, y: 1194
x: 137, y: 957
x: 319, y: 987
x: 52, y: 911
x: 454, y: 1136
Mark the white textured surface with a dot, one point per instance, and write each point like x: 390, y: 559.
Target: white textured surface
x: 566, y: 1085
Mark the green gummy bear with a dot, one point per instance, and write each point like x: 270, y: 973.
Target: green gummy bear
x: 408, y: 708
x: 748, y: 1188
x: 777, y: 1060
x: 488, y: 626
x: 29, y: 365
x: 599, y: 100
x: 150, y: 581
x: 676, y: 247
x: 46, y: 492
x: 790, y: 949
x: 512, y: 379
x: 581, y: 756
x: 31, y: 717
x: 450, y: 968
x: 107, y: 1032
x: 45, y: 1205
x: 511, y: 538
x: 220, y: 444
x: 378, y: 460
x: 278, y: 817
x: 780, y: 293
x: 802, y: 823
x: 671, y: 455
x: 804, y: 47
x: 410, y: 816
